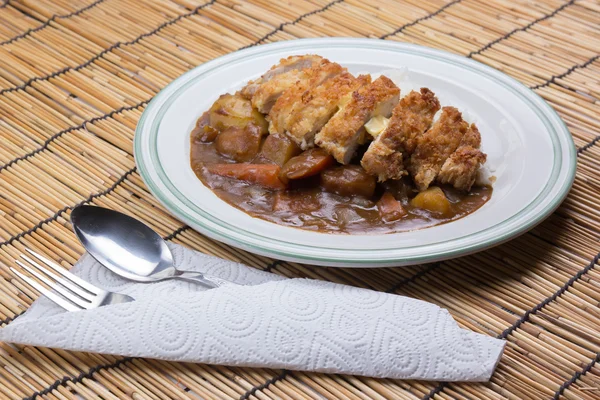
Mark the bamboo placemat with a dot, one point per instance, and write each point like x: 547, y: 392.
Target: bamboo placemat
x: 75, y: 76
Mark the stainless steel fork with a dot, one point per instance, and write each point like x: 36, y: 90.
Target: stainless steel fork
x: 67, y: 290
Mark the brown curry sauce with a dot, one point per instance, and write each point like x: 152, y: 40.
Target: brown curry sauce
x: 307, y: 205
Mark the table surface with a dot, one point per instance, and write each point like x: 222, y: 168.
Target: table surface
x: 76, y: 75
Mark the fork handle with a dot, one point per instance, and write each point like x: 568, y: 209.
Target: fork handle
x: 199, y: 277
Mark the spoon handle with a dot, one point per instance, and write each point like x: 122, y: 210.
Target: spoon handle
x: 199, y: 277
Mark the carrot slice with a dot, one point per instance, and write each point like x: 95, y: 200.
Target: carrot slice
x: 309, y: 163
x: 266, y: 175
x: 390, y: 209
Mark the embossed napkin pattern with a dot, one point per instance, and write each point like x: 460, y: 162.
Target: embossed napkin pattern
x: 270, y: 322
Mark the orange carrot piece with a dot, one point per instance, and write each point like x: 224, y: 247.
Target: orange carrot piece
x: 309, y: 163
x: 266, y: 175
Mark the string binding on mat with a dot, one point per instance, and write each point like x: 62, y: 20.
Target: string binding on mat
x: 424, y: 271
x: 588, y: 145
x: 103, y: 52
x: 6, y: 320
x: 79, y: 378
x: 272, y: 265
x: 433, y: 14
x: 567, y: 72
x: 67, y: 208
x: 176, y: 232
x: 54, y: 74
x: 550, y: 299
x: 80, y: 126
x: 524, y: 28
x: 575, y: 377
x: 45, y: 24
x: 265, y: 384
x: 282, y: 25
x: 565, y: 287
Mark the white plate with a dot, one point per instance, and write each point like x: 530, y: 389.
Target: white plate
x: 529, y: 150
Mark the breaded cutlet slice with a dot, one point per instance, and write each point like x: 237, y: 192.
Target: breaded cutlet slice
x: 267, y: 93
x: 460, y: 169
x: 319, y: 104
x: 285, y: 65
x: 435, y: 146
x: 410, y: 118
x: 340, y: 136
x: 288, y: 102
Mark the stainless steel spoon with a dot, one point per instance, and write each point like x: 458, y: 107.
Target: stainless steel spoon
x: 129, y: 248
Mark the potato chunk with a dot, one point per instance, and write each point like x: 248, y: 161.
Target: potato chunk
x: 232, y: 110
x: 433, y: 200
x: 279, y: 149
x: 239, y: 144
x: 348, y: 180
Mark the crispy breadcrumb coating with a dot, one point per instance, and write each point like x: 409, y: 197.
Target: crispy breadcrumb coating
x: 318, y: 105
x: 410, y: 118
x: 435, y: 146
x: 340, y: 136
x: 285, y: 65
x: 460, y: 169
x: 286, y: 105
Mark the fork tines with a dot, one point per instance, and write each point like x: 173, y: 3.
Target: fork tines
x: 67, y: 290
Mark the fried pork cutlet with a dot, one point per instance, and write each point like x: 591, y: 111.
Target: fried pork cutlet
x: 410, y: 118
x: 267, y: 93
x: 285, y: 65
x: 435, y: 146
x: 340, y: 136
x: 318, y: 105
x: 288, y: 102
x: 460, y: 169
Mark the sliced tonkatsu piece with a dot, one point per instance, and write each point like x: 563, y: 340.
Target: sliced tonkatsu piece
x: 340, y: 136
x: 410, y: 118
x: 285, y: 65
x: 288, y: 102
x: 460, y: 169
x: 318, y: 105
x: 435, y: 146
x: 267, y: 93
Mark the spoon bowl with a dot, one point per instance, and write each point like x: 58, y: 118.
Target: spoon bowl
x: 128, y: 247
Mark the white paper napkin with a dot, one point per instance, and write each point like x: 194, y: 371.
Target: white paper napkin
x: 273, y: 322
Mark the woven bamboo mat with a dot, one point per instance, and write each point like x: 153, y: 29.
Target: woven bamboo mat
x: 75, y: 76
